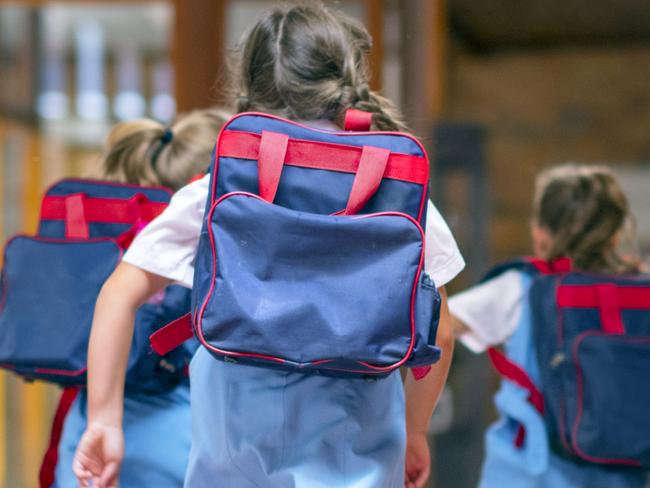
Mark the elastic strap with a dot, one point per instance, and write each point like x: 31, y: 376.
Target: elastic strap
x: 48, y: 466
x: 172, y: 335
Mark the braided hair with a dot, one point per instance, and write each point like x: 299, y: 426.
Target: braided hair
x: 308, y: 62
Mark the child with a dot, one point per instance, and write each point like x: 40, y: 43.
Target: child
x: 144, y: 152
x: 254, y: 426
x: 579, y: 212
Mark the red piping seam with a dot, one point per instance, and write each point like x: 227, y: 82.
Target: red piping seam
x: 107, y: 183
x: 59, y: 240
x: 61, y: 372
x: 378, y: 369
x: 560, y: 315
x: 342, y: 134
x: 53, y: 240
x: 563, y: 430
x: 580, y: 380
x: 3, y: 289
x: 560, y: 336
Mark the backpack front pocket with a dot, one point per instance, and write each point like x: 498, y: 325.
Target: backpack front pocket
x: 610, y: 422
x: 309, y: 290
x: 50, y: 290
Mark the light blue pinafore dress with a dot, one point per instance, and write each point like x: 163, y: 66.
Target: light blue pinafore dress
x: 264, y: 428
x: 534, y: 465
x: 157, y: 437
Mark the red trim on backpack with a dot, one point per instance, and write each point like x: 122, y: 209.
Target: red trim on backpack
x: 105, y: 210
x: 101, y: 183
x: 373, y: 368
x: 172, y: 335
x: 511, y: 371
x: 323, y: 155
x: 51, y: 457
x: 357, y: 120
x: 420, y: 372
x: 224, y: 129
x: 515, y: 373
x: 608, y: 298
x: 559, y: 265
x: 580, y: 395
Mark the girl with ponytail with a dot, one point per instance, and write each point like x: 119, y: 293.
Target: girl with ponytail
x: 255, y: 427
x: 579, y: 212
x: 157, y: 427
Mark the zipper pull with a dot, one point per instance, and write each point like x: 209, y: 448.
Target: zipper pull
x: 557, y: 359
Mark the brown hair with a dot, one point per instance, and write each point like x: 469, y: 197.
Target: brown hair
x: 146, y: 152
x: 308, y: 62
x: 584, y: 208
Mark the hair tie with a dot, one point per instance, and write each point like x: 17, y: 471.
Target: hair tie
x: 167, y: 136
x: 165, y: 139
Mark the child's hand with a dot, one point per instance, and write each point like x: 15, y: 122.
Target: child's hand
x: 418, y: 460
x: 99, y: 456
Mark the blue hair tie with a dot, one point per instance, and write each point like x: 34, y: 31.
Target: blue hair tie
x: 167, y: 136
x: 165, y: 139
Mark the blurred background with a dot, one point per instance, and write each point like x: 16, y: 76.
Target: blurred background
x: 497, y: 90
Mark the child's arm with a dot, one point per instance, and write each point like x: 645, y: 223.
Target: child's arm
x: 101, y: 448
x: 458, y: 327
x: 421, y: 398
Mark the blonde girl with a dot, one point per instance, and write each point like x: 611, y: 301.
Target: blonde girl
x: 145, y: 152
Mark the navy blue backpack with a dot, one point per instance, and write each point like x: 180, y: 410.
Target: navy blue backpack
x: 312, y: 250
x: 50, y: 282
x: 592, y: 340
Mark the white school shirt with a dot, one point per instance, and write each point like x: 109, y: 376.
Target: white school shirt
x: 167, y: 245
x: 491, y: 310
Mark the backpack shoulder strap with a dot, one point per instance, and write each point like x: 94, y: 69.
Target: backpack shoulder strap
x: 504, y: 366
x: 530, y: 265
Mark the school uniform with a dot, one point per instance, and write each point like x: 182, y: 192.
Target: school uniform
x: 157, y: 435
x: 498, y: 312
x: 257, y: 427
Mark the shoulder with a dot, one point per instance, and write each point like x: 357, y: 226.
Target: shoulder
x: 443, y: 260
x: 490, y: 310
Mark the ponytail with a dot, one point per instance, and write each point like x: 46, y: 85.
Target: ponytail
x: 146, y: 152
x: 585, y: 210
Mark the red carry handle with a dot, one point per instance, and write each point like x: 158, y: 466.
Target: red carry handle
x: 372, y: 166
x: 357, y: 120
x: 273, y: 149
x: 368, y: 175
x: 76, y: 225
